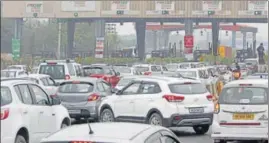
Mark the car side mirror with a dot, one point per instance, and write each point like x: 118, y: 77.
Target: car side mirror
x: 55, y: 100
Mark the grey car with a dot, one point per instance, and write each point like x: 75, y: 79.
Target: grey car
x: 82, y: 96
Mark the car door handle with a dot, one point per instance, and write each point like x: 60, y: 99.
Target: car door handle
x: 41, y: 112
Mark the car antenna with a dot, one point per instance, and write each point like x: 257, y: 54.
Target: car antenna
x: 91, y: 131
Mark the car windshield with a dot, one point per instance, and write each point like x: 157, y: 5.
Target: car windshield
x: 191, y: 74
x: 71, y: 87
x: 55, y: 71
x: 194, y: 88
x: 244, y: 95
x: 6, y: 97
x: 97, y: 70
x: 8, y: 73
x: 123, y: 69
x: 124, y: 81
x: 142, y: 69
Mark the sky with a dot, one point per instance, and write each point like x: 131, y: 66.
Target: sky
x: 128, y: 28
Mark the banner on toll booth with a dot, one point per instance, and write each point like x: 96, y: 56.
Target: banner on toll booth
x: 34, y: 6
x: 120, y: 5
x: 76, y: 6
x: 164, y: 5
x: 212, y: 5
x: 99, y: 48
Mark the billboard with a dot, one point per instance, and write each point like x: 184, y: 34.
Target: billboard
x: 76, y: 6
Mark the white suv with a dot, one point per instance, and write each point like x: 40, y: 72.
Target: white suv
x: 164, y: 101
x: 242, y: 112
x: 27, y: 113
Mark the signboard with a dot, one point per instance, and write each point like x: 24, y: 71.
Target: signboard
x: 257, y: 5
x: 99, y: 49
x: 164, y: 5
x: 212, y: 5
x: 221, y: 51
x: 188, y: 44
x: 74, y: 6
x: 16, y: 46
x: 34, y: 6
x: 120, y: 5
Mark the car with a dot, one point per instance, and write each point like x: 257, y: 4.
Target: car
x: 61, y: 70
x: 27, y: 113
x: 196, y: 73
x: 258, y: 76
x: 18, y: 67
x: 12, y: 73
x: 105, y: 72
x: 113, y: 132
x: 252, y: 64
x: 242, y: 112
x: 148, y: 69
x: 164, y: 101
x: 82, y: 96
x: 125, y: 81
x: 243, y: 69
x: 127, y: 71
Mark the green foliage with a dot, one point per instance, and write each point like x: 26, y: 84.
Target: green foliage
x: 164, y: 60
x: 220, y: 60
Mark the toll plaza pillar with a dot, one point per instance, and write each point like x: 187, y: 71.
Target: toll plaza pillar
x: 244, y: 40
x: 155, y: 40
x: 254, y: 44
x: 215, y: 38
x: 140, y: 27
x: 71, y: 25
x: 233, y: 39
x: 166, y: 38
x: 18, y: 34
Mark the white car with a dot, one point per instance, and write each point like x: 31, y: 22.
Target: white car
x: 45, y: 81
x: 242, y: 112
x: 113, y: 133
x: 13, y: 73
x: 61, y: 70
x: 18, y: 67
x: 148, y: 69
x: 27, y: 113
x: 196, y: 73
x: 164, y: 101
x: 126, y: 71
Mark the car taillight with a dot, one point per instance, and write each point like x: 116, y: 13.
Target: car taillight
x: 217, y: 108
x: 174, y: 98
x: 67, y: 77
x: 209, y: 97
x: 147, y: 73
x: 93, y: 97
x: 4, y: 113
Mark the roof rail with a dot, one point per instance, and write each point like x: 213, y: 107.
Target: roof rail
x: 60, y: 61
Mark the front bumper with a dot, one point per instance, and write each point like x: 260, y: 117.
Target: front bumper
x: 188, y: 120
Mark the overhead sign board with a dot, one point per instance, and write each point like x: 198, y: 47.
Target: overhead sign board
x: 120, y: 5
x: 34, y: 6
x: 76, y: 6
x: 212, y: 5
x: 164, y: 5
x: 257, y: 5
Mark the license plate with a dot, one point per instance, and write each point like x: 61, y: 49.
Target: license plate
x: 243, y: 116
x: 196, y: 110
x: 74, y: 111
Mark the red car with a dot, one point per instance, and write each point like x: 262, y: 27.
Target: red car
x: 105, y: 72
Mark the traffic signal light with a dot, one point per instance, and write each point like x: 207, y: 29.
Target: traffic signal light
x: 165, y: 12
x: 210, y: 13
x: 257, y: 12
x: 120, y: 12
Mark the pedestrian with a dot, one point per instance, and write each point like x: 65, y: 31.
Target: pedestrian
x: 260, y: 51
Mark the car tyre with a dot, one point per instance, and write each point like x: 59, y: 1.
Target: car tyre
x: 107, y: 116
x: 20, y: 139
x: 201, y: 129
x: 64, y: 125
x: 155, y: 119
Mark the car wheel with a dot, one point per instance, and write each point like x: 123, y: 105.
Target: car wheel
x: 156, y: 119
x: 201, y: 129
x: 64, y: 125
x: 20, y: 139
x: 107, y: 116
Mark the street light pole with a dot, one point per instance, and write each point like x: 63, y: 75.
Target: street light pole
x: 59, y: 41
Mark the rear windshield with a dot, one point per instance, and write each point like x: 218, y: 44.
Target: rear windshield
x: 142, y: 69
x: 243, y: 95
x: 8, y: 73
x: 194, y: 88
x: 97, y: 70
x: 6, y: 97
x: 125, y: 81
x: 55, y: 71
x: 70, y: 87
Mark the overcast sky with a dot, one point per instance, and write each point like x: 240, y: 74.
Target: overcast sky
x: 128, y: 28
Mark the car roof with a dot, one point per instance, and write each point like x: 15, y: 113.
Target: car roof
x: 38, y: 75
x: 104, y: 132
x: 255, y: 82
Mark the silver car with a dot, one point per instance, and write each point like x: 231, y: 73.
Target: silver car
x: 82, y: 96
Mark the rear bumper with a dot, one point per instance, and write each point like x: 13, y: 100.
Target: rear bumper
x: 85, y: 112
x: 188, y: 120
x: 229, y: 133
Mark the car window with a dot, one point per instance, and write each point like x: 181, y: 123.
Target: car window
x: 71, y: 69
x: 191, y: 74
x: 44, y: 81
x: 8, y: 74
x: 154, y: 138
x: 17, y: 90
x: 41, y: 97
x: 188, y: 88
x: 51, y: 82
x: 54, y: 70
x: 169, y: 139
x: 132, y: 89
x: 6, y: 97
x: 156, y: 68
x: 106, y: 86
x: 149, y: 88
x: 71, y: 87
x: 244, y: 95
x: 26, y: 95
x: 100, y: 87
x: 21, y: 73
x: 124, y: 81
